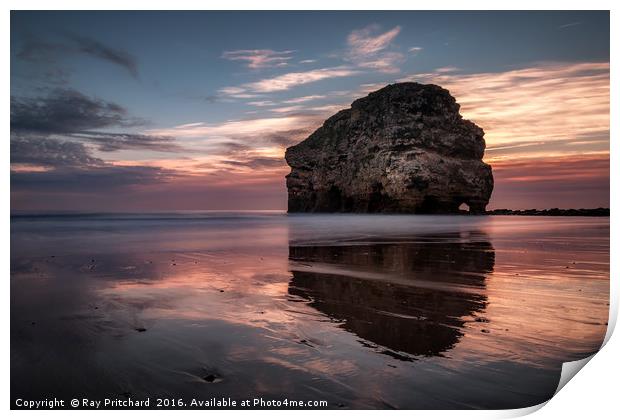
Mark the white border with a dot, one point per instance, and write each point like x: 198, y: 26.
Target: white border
x: 310, y: 5
x: 592, y: 395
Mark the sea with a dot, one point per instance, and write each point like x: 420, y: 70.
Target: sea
x: 333, y: 311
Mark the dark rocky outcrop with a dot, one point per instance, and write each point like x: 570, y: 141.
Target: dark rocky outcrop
x: 402, y: 149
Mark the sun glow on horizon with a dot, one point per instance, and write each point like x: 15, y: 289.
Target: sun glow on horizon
x: 548, y: 115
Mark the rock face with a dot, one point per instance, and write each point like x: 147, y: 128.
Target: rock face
x: 402, y: 149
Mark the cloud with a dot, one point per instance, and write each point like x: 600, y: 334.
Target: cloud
x: 286, y: 81
x: 303, y: 99
x: 258, y: 59
x: 74, y: 116
x: 246, y: 150
x: 46, y: 152
x: 262, y: 103
x: 34, y: 49
x: 290, y: 80
x: 45, y: 165
x: 368, y: 49
x: 542, y: 123
x: 98, y: 179
x: 385, y: 63
x: 540, y: 111
x: 546, y: 129
x: 52, y: 142
x: 558, y: 168
x: 259, y: 163
x: 110, y: 142
x: 448, y: 69
x: 568, y: 25
x: 309, y: 110
x: 97, y: 49
x: 564, y: 181
x: 287, y: 109
x: 363, y: 43
x: 236, y: 92
x: 237, y: 129
x: 294, y: 101
x: 65, y: 111
x: 245, y: 139
x: 415, y: 50
x: 286, y: 138
x: 560, y: 105
x: 139, y: 189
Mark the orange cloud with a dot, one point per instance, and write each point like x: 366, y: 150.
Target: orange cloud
x: 547, y: 133
x: 236, y: 128
x: 257, y: 59
x: 568, y: 168
x: 303, y: 99
x: 362, y: 42
x: 368, y: 50
x: 560, y: 181
x: 553, y: 108
x: 286, y: 81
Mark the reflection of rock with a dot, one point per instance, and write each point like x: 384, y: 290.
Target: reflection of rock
x: 402, y: 149
x: 399, y: 315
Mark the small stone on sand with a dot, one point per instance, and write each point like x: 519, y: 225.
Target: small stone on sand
x: 210, y: 378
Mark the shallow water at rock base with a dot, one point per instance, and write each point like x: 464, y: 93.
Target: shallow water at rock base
x: 362, y: 311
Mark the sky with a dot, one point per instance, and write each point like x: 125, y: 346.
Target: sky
x: 146, y: 111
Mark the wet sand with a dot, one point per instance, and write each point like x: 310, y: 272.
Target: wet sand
x: 360, y: 311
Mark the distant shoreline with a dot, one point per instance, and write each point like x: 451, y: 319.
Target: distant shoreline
x: 174, y: 214
x: 597, y: 212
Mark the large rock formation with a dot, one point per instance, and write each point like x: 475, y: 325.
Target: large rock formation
x: 402, y: 149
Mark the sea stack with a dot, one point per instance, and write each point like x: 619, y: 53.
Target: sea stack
x: 402, y: 149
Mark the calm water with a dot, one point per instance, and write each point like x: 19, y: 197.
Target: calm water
x: 361, y: 311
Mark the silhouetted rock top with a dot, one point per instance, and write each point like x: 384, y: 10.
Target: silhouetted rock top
x: 402, y: 149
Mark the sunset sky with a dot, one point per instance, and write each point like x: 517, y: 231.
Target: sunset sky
x: 131, y: 111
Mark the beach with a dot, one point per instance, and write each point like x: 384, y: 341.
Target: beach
x: 360, y: 311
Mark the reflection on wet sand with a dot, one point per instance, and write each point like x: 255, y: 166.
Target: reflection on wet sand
x: 412, y: 296
x: 363, y: 312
